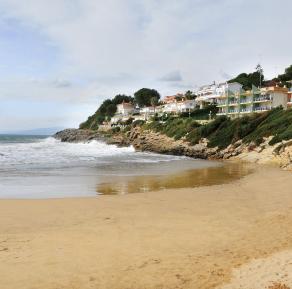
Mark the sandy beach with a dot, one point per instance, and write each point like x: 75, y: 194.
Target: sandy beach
x: 236, y: 235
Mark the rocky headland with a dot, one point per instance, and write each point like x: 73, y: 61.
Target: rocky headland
x: 279, y: 154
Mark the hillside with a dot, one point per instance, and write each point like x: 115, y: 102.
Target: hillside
x: 223, y: 131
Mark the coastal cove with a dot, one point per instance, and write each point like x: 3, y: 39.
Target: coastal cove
x: 49, y: 168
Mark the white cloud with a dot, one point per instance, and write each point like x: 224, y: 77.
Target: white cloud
x: 118, y: 46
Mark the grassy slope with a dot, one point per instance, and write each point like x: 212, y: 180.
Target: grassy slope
x: 222, y: 131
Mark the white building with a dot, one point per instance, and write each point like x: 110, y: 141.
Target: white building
x: 148, y: 110
x: 186, y: 105
x: 252, y: 101
x: 125, y: 108
x: 177, y: 104
x: 209, y: 94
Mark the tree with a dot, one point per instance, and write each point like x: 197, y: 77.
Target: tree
x: 119, y: 98
x: 154, y: 102
x: 287, y: 76
x: 143, y: 96
x: 260, y: 71
x: 189, y: 95
x: 111, y: 110
x: 249, y: 79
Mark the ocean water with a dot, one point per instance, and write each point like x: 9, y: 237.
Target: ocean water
x: 43, y: 167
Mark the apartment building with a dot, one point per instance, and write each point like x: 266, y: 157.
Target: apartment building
x: 252, y: 101
x: 210, y: 94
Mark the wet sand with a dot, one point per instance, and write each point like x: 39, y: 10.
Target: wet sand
x: 174, y: 238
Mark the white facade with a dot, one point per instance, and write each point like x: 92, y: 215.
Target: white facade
x: 179, y: 106
x: 148, y: 110
x: 252, y: 101
x: 209, y: 94
x: 186, y: 106
x: 125, y: 108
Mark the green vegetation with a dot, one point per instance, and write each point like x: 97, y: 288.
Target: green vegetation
x: 146, y: 97
x: 286, y: 77
x: 223, y: 131
x: 173, y: 127
x: 202, y: 114
x: 106, y: 110
x: 190, y: 95
x: 249, y: 79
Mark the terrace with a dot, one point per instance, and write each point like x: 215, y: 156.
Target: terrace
x: 262, y: 108
x: 263, y: 98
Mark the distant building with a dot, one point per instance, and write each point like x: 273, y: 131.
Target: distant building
x: 150, y: 110
x: 124, y: 112
x: 125, y: 108
x: 209, y: 94
x: 177, y: 104
x: 173, y: 98
x: 251, y: 101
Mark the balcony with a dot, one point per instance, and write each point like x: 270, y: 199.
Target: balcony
x: 246, y: 110
x: 246, y: 100
x: 262, y: 108
x: 233, y: 102
x: 222, y: 103
x: 231, y: 111
x: 262, y: 99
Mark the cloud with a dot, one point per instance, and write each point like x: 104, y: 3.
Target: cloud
x: 104, y: 39
x: 101, y: 48
x: 173, y: 76
x: 225, y: 75
x: 61, y: 83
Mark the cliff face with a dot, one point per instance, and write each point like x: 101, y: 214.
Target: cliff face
x: 147, y: 140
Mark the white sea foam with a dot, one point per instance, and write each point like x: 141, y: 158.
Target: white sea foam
x: 53, y: 152
x: 45, y: 168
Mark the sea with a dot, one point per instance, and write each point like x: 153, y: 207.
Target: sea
x: 40, y: 167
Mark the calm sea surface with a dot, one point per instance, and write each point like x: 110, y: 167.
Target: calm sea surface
x: 42, y: 167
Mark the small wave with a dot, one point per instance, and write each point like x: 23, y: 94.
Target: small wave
x: 52, y: 152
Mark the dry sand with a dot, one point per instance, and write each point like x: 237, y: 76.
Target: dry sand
x: 236, y: 235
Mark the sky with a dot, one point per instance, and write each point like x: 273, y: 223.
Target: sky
x: 59, y: 59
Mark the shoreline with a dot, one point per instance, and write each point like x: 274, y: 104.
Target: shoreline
x: 279, y: 154
x: 178, y: 238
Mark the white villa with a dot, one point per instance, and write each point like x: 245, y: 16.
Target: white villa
x: 179, y: 106
x: 125, y: 108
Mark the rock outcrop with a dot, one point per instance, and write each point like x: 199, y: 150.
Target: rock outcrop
x: 77, y: 135
x: 147, y: 140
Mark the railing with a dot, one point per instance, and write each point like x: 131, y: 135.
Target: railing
x: 246, y: 110
x: 262, y: 108
x: 263, y: 98
x: 247, y: 100
x: 222, y: 103
x: 233, y: 111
